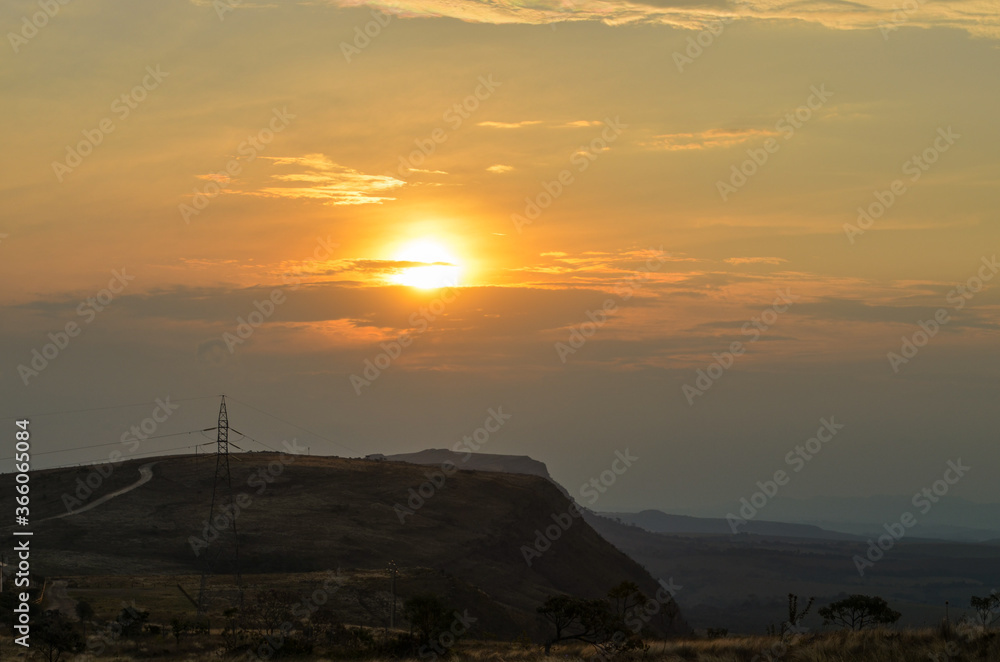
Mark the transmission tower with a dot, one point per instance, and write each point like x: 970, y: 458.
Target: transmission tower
x: 222, y: 496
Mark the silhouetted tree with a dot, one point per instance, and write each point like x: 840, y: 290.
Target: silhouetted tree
x: 625, y: 598
x: 179, y: 627
x: 581, y: 619
x: 794, y: 622
x: 130, y: 622
x: 857, y: 612
x: 987, y: 609
x: 57, y: 635
x: 428, y: 616
x: 85, y: 613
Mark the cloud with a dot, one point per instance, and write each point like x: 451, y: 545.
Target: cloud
x: 499, y: 169
x: 712, y: 138
x: 579, y: 124
x: 754, y: 260
x: 318, y: 178
x: 977, y: 17
x: 509, y: 125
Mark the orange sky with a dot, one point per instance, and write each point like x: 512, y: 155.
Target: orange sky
x: 710, y: 154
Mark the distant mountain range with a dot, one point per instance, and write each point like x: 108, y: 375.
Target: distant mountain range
x: 657, y: 521
x: 827, y: 518
x: 741, y: 582
x: 950, y: 518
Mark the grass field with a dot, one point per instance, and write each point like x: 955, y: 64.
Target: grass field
x: 867, y: 646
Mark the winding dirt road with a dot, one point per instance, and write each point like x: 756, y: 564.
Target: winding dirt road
x: 145, y: 475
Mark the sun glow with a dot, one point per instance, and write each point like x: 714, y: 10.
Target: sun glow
x: 436, y: 266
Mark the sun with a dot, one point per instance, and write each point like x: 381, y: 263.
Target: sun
x: 437, y: 267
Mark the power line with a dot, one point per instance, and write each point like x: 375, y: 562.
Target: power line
x: 174, y: 434
x: 335, y: 443
x: 78, y: 411
x: 246, y: 436
x: 110, y: 443
x: 133, y: 455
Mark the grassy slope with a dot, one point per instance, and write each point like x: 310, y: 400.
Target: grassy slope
x: 322, y: 513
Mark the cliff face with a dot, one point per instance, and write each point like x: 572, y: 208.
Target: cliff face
x: 505, y: 540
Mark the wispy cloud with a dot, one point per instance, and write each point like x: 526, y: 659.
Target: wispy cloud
x: 499, y: 169
x: 709, y: 139
x: 978, y: 17
x: 316, y: 177
x: 509, y: 125
x: 755, y: 260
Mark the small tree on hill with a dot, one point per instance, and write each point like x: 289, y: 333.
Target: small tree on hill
x: 987, y: 608
x: 130, y: 622
x: 857, y: 612
x: 85, y: 613
x: 625, y: 597
x: 795, y: 617
x: 428, y: 616
x: 582, y: 619
x: 57, y: 635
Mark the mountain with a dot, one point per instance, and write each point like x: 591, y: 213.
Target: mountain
x: 510, y: 464
x: 307, y: 514
x: 657, y: 521
x: 741, y: 582
x: 948, y: 517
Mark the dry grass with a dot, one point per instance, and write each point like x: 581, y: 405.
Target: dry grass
x: 870, y: 646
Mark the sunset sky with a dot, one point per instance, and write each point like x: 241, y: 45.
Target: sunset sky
x: 695, y: 166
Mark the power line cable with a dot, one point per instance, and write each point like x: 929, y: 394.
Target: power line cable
x: 78, y: 411
x: 336, y: 443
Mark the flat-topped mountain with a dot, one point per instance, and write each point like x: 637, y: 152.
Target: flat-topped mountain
x: 300, y: 514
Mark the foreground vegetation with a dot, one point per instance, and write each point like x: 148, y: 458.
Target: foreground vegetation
x: 940, y: 644
x: 272, y: 623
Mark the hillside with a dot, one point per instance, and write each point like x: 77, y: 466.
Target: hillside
x: 741, y: 582
x: 312, y: 514
x: 510, y: 464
